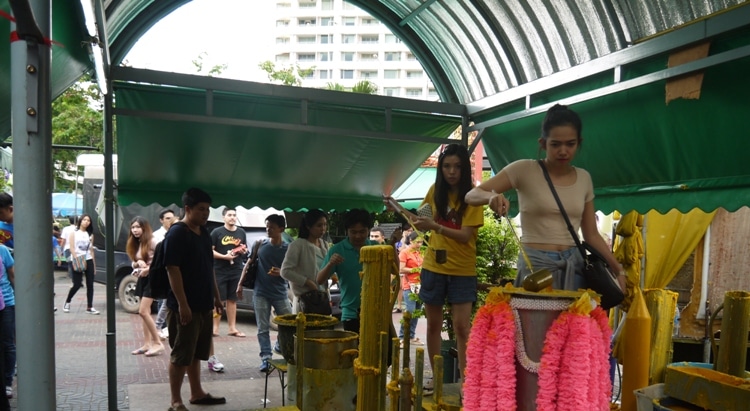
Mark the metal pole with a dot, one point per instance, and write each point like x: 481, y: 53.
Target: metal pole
x: 31, y: 109
x: 109, y: 253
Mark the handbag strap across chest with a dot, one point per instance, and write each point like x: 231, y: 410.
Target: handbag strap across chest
x: 562, y: 210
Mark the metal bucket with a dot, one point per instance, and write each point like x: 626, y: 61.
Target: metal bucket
x: 288, y: 328
x: 534, y: 313
x: 328, y: 381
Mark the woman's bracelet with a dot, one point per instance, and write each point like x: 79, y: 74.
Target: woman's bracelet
x: 622, y: 274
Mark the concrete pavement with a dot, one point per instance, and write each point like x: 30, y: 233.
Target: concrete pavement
x: 80, y: 353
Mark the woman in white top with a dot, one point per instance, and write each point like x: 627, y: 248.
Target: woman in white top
x: 546, y: 238
x: 305, y: 255
x: 81, y: 242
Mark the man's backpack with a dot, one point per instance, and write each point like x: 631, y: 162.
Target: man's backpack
x: 157, y: 276
x: 158, y: 279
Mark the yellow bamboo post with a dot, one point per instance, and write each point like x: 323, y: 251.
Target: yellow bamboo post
x: 637, y: 340
x: 376, y: 270
x: 394, y: 388
x: 419, y: 378
x: 437, y: 379
x: 299, y: 358
x: 661, y: 306
x: 734, y: 326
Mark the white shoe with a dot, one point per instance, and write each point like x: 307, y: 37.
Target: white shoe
x: 428, y: 388
x: 66, y: 308
x: 214, y: 364
x: 9, y: 392
x: 164, y: 333
x: 92, y: 311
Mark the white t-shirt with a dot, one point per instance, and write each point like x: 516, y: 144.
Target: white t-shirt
x: 65, y: 234
x: 159, y: 234
x: 83, y: 244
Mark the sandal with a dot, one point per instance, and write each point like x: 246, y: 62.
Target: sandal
x: 139, y: 351
x: 209, y: 400
x: 238, y: 334
x: 180, y: 407
x: 154, y: 353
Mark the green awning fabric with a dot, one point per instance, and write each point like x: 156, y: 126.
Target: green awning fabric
x: 644, y: 154
x: 268, y: 166
x: 411, y: 193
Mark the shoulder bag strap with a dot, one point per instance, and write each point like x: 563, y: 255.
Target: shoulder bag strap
x: 562, y: 210
x: 255, y: 250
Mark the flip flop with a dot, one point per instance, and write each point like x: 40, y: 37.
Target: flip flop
x: 180, y: 407
x: 209, y: 400
x: 238, y: 334
x: 138, y: 351
x: 154, y: 353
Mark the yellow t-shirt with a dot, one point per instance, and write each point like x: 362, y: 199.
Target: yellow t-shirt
x: 461, y: 258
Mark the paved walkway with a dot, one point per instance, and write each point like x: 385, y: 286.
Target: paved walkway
x: 80, y: 351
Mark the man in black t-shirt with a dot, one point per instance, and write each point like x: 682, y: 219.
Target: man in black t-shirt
x: 229, y: 250
x: 192, y: 298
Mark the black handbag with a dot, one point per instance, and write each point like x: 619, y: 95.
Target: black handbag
x: 595, y: 268
x: 252, y: 269
x: 315, y: 302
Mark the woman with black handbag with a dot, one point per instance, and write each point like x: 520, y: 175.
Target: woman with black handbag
x: 546, y: 237
x: 305, y: 256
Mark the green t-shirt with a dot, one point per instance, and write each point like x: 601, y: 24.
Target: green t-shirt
x: 350, y: 282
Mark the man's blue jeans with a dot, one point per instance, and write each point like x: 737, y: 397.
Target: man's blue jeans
x: 411, y: 305
x: 262, y: 308
x: 8, y: 336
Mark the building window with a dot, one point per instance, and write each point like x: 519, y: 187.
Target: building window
x: 390, y: 74
x: 283, y: 5
x: 306, y: 39
x: 347, y: 74
x: 324, y: 74
x: 326, y: 5
x: 306, y: 21
x: 368, y: 56
x: 391, y: 91
x: 414, y: 92
x: 392, y: 56
x: 411, y: 74
x: 369, y: 39
x: 369, y: 21
x: 348, y: 21
x: 349, y: 6
x: 282, y: 23
x: 282, y: 58
x: 326, y: 21
x: 368, y: 74
x: 410, y: 56
x: 282, y: 40
x: 306, y: 56
x: 347, y: 56
x: 326, y: 39
x: 306, y: 5
x: 348, y: 38
x: 392, y: 39
x: 432, y: 93
x: 328, y: 56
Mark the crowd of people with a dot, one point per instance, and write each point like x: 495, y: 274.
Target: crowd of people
x: 436, y: 252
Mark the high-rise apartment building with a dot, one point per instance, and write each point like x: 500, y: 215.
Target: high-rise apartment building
x: 346, y: 45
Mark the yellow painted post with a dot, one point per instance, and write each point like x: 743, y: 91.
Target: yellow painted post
x: 394, y: 389
x: 299, y: 358
x: 375, y: 317
x: 637, y: 340
x: 661, y: 307
x: 734, y: 326
x: 437, y: 379
x: 419, y: 378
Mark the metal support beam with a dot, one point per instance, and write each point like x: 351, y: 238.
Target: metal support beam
x: 31, y: 112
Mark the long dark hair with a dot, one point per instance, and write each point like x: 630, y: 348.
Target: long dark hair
x: 442, y: 188
x: 143, y: 243
x: 308, y: 220
x: 90, y: 228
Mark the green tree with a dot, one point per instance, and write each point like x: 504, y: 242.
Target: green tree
x: 288, y: 76
x: 335, y: 87
x: 365, y: 87
x: 215, y: 70
x: 76, y: 121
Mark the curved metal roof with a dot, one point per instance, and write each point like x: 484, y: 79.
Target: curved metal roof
x: 476, y: 48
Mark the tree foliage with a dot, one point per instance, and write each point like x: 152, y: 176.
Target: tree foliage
x: 365, y: 87
x: 77, y: 117
x: 215, y: 70
x: 288, y: 76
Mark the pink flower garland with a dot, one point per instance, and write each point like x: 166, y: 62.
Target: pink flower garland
x: 490, y: 381
x: 574, y: 368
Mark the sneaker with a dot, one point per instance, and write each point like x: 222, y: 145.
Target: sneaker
x: 214, y: 364
x: 164, y: 333
x: 9, y: 392
x: 416, y: 341
x: 277, y: 348
x: 92, y: 311
x: 66, y: 308
x: 428, y: 387
x: 264, y: 365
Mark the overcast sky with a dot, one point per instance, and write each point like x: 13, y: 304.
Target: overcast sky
x: 239, y: 33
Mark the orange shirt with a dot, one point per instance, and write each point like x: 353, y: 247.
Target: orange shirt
x: 411, y: 258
